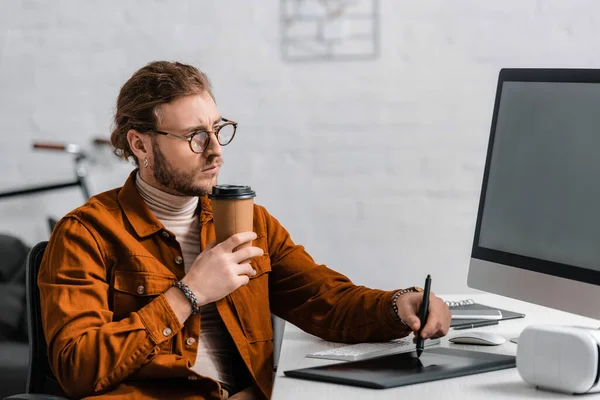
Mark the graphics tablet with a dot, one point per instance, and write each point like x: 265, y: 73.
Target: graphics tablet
x: 406, y: 369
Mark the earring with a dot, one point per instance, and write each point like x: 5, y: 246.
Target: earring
x: 145, y: 163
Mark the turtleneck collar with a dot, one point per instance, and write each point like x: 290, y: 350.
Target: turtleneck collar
x: 166, y: 204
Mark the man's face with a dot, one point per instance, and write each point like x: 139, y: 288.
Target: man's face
x: 175, y: 167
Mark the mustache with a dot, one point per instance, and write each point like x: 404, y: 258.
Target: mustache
x: 215, y: 161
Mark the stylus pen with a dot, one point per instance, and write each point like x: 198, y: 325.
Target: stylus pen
x: 423, y: 314
x: 475, y: 325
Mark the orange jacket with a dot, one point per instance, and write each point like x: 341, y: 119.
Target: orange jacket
x: 105, y: 318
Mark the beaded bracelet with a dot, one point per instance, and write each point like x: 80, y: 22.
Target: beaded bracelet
x: 190, y: 296
x: 395, y: 306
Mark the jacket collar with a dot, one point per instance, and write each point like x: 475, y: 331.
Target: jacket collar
x: 139, y: 215
x: 205, y: 209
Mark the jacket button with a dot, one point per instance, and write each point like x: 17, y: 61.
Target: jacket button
x: 190, y: 341
x: 178, y: 260
x: 167, y: 331
x: 166, y: 234
x: 141, y: 289
x: 192, y: 377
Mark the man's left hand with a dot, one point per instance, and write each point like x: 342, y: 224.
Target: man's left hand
x: 438, y: 320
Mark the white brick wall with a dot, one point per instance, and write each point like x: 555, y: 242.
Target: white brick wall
x: 374, y: 166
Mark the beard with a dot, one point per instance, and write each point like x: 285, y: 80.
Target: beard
x: 182, y: 183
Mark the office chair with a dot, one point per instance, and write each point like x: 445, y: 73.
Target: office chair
x: 278, y: 325
x: 41, y: 382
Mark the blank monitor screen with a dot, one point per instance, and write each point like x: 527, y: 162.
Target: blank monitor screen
x: 541, y: 198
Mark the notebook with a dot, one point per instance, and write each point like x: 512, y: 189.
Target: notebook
x: 471, y: 305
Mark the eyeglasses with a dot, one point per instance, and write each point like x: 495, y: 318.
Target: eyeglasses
x: 200, y: 140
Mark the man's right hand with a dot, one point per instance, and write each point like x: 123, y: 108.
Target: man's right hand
x: 217, y: 270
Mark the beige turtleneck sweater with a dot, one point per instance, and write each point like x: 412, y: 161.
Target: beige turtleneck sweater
x: 217, y: 355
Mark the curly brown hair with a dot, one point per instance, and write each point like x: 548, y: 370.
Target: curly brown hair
x: 157, y: 83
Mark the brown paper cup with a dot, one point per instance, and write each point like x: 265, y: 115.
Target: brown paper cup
x: 231, y: 217
x: 233, y: 211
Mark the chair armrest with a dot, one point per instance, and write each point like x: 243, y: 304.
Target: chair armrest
x: 33, y: 396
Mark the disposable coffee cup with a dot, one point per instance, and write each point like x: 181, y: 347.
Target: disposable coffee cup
x: 233, y: 210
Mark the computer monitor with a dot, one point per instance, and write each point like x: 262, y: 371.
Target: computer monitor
x: 537, y: 236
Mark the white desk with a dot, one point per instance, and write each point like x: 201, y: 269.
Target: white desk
x: 504, y: 384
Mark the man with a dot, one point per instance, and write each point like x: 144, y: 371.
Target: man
x: 138, y: 301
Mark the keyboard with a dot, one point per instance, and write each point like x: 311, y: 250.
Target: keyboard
x: 364, y: 351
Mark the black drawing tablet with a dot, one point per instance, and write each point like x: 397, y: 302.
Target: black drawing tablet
x: 406, y: 369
